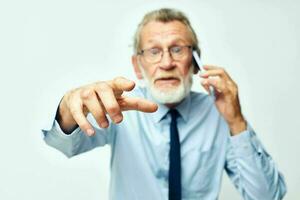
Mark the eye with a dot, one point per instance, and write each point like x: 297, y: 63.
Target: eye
x: 154, y: 51
x: 176, y: 49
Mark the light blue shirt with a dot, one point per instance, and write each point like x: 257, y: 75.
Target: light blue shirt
x: 140, y: 147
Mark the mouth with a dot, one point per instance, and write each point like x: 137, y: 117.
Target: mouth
x: 164, y: 81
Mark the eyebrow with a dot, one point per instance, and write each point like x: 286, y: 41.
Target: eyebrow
x: 156, y: 42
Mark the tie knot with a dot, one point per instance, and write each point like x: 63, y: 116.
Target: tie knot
x: 174, y: 113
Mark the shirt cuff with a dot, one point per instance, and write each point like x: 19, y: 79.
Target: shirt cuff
x: 246, y: 143
x: 58, y: 129
x: 57, y: 132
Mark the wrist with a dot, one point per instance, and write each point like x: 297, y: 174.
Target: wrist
x: 65, y: 118
x: 237, y: 126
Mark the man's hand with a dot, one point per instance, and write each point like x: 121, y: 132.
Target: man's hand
x: 100, y: 98
x: 226, y: 94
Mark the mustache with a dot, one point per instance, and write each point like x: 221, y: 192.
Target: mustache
x: 167, y: 76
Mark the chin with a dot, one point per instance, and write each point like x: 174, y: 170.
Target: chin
x: 166, y: 88
x: 169, y: 94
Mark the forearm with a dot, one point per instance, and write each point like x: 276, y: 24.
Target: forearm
x: 252, y: 169
x: 76, y: 142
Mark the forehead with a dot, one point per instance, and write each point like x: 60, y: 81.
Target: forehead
x: 164, y: 32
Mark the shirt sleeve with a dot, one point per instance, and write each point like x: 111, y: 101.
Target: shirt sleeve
x: 252, y: 169
x: 77, y: 142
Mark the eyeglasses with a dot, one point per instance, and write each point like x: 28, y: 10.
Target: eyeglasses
x: 154, y: 55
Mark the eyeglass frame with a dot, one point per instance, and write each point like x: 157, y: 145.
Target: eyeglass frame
x: 141, y: 52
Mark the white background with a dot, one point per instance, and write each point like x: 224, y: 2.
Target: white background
x: 49, y: 47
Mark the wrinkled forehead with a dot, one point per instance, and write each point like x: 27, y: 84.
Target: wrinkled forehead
x: 164, y: 33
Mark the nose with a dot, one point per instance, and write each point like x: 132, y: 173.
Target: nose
x: 166, y: 62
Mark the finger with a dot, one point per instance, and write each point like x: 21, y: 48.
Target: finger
x: 76, y: 110
x: 205, y: 86
x: 137, y: 103
x: 211, y: 82
x: 210, y: 67
x: 91, y: 101
x: 208, y: 87
x: 213, y: 72
x: 110, y: 104
x: 121, y: 84
x: 217, y: 83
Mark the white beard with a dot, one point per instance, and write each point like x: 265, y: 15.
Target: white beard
x: 169, y: 96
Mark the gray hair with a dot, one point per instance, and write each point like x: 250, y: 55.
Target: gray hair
x: 165, y: 15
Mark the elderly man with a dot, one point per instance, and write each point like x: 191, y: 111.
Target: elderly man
x: 170, y: 143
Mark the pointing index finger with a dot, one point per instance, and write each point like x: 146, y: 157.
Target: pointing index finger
x: 137, y: 103
x: 121, y: 84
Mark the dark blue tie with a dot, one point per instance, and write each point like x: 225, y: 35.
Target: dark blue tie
x: 175, y: 163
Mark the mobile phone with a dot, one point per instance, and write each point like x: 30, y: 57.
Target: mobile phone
x: 198, y: 64
x: 197, y: 61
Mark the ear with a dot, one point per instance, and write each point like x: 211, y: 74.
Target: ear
x: 136, y: 67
